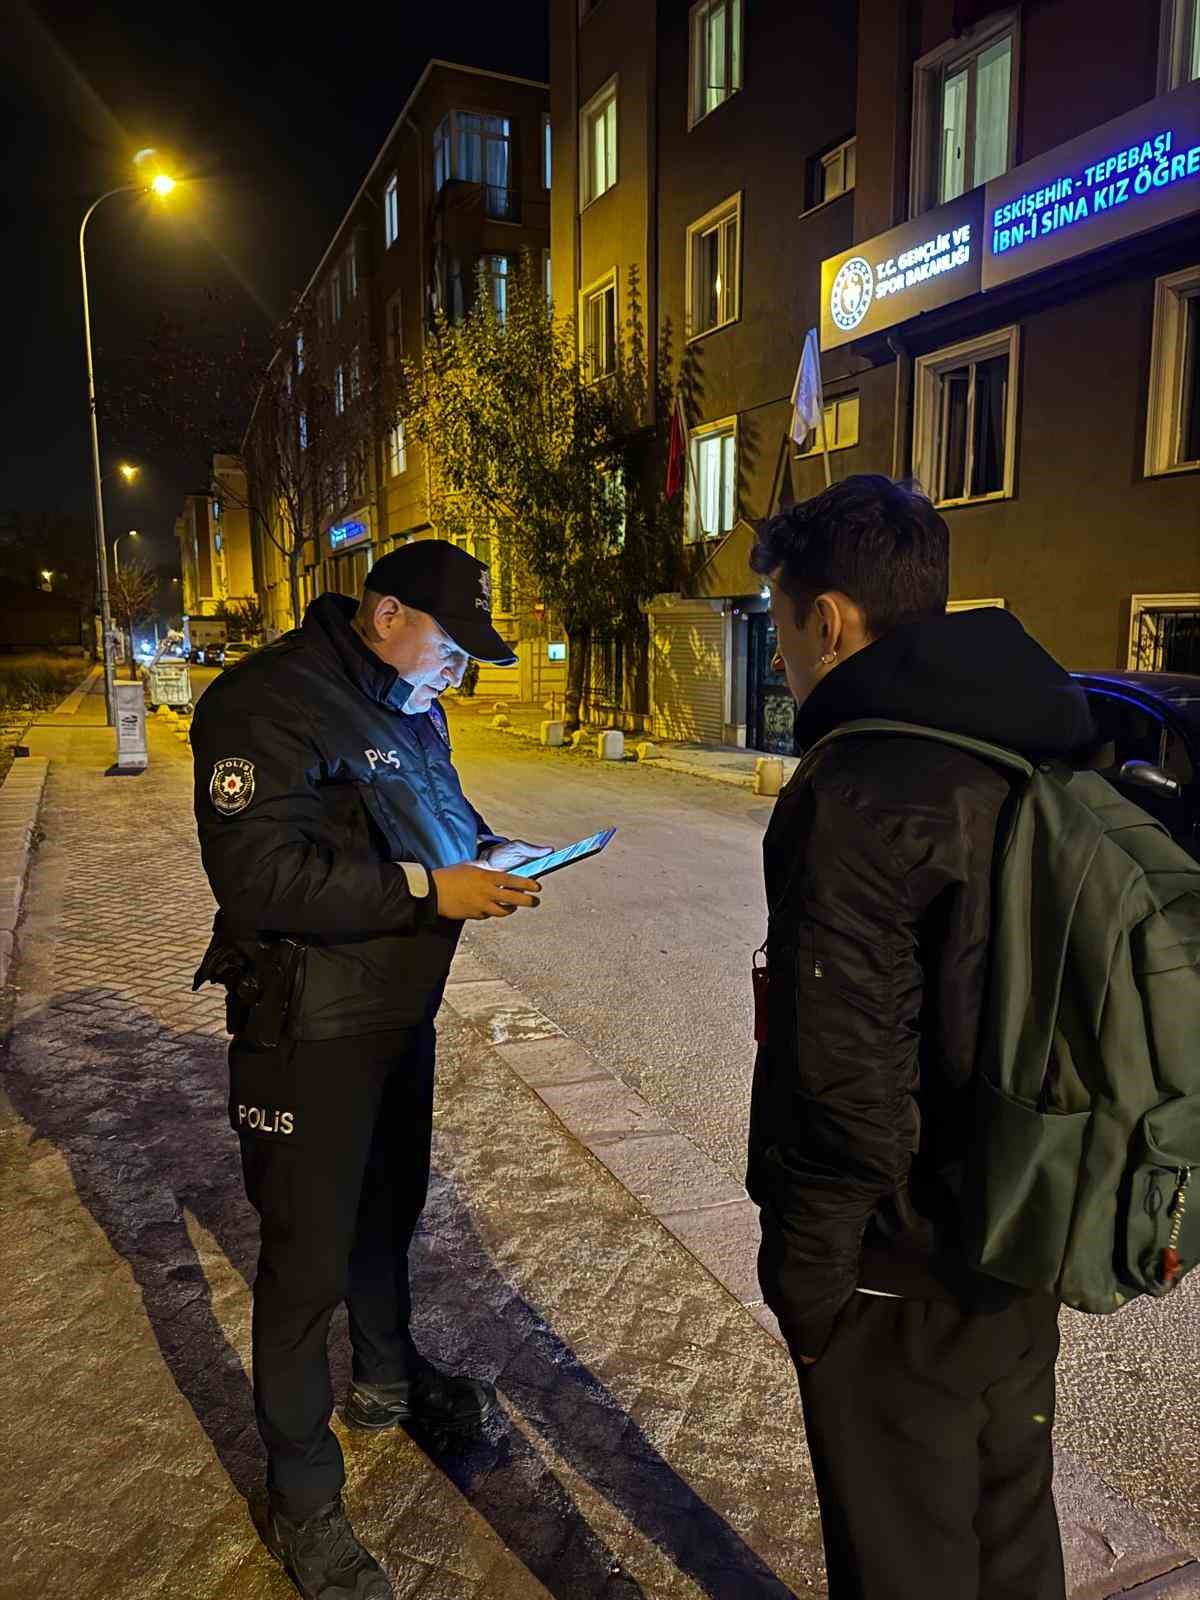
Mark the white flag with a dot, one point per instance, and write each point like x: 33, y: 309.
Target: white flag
x: 807, y: 399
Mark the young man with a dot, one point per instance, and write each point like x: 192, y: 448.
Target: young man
x: 344, y: 858
x: 928, y: 1390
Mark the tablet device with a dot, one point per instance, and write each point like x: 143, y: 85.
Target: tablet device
x: 566, y: 857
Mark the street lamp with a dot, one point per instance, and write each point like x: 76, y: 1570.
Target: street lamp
x: 132, y: 534
x: 160, y: 185
x: 127, y: 472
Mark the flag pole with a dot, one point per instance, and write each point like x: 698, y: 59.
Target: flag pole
x: 825, y: 446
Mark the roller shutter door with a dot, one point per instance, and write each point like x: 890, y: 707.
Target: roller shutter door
x: 688, y: 644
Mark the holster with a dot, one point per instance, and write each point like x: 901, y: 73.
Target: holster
x: 259, y: 986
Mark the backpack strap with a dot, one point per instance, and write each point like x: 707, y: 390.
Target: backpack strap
x: 994, y: 753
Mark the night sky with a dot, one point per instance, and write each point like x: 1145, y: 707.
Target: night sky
x: 274, y: 112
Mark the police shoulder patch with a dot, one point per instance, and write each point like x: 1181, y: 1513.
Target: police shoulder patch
x: 232, y: 787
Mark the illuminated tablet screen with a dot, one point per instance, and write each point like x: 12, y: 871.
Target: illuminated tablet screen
x: 566, y: 857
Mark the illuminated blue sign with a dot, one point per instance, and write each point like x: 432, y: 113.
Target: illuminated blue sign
x: 346, y: 533
x: 1135, y: 173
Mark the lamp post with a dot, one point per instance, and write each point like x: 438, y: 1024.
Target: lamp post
x: 132, y: 534
x: 161, y: 185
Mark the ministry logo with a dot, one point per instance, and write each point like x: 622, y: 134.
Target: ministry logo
x: 852, y: 292
x: 231, y: 788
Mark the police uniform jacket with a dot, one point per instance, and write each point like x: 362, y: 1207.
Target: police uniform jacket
x: 321, y: 808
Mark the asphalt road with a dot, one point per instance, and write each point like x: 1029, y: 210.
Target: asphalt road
x: 644, y: 956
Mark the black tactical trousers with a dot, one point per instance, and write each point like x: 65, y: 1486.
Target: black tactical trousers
x: 929, y: 1428
x: 335, y: 1139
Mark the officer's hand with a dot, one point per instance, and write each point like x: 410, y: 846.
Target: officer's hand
x: 513, y: 853
x: 470, y: 893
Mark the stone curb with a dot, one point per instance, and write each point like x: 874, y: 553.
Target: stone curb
x: 714, y: 1219
x: 20, y: 802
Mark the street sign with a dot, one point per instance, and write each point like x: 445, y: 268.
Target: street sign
x: 131, y: 725
x: 925, y: 263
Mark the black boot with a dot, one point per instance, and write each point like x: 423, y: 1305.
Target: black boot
x: 323, y: 1558
x: 431, y: 1399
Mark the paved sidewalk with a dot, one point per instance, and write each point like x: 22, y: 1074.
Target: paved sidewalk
x: 718, y: 763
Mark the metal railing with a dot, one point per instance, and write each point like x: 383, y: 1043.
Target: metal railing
x: 1168, y: 641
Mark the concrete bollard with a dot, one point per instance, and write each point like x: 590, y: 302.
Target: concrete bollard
x: 499, y: 706
x: 500, y: 721
x: 610, y: 746
x: 552, y: 734
x: 646, y: 751
x: 768, y: 775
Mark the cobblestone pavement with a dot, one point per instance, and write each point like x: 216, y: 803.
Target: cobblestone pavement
x: 650, y: 1441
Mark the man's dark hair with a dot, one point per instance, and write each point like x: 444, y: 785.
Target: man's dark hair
x: 879, y: 543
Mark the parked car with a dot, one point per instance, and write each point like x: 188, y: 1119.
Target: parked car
x: 212, y: 655
x: 1150, y: 725
x: 237, y: 651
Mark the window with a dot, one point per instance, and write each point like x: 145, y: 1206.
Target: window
x: 546, y: 150
x: 712, y: 500
x: 335, y: 297
x: 715, y: 56
x: 833, y: 173
x: 598, y: 144
x: 714, y: 268
x: 342, y: 483
x: 303, y: 430
x: 339, y: 390
x: 1164, y: 634
x: 477, y: 149
x: 496, y: 272
x: 299, y: 354
x: 964, y: 109
x: 599, y: 325
x: 351, y: 275
x: 615, y: 506
x: 397, y: 451
x: 841, y: 426
x: 391, y: 212
x: 1179, y: 51
x: 1173, y: 411
x: 355, y: 374
x: 964, y: 440
x: 394, y: 329
x: 547, y: 279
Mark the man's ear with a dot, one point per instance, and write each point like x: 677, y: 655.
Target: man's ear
x: 381, y: 614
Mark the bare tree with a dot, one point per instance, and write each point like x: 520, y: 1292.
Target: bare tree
x: 132, y: 591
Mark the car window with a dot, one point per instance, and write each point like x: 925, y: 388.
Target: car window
x: 1177, y: 761
x: 1136, y: 734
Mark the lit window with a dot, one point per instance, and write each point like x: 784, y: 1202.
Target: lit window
x: 299, y: 354
x: 712, y: 495
x: 1180, y: 47
x: 841, y: 427
x: 835, y: 172
x: 546, y: 151
x: 391, y: 212
x: 964, y: 436
x: 351, y: 274
x: 614, y: 506
x: 335, y: 297
x: 964, y: 114
x: 477, y: 149
x: 599, y: 322
x: 496, y: 271
x: 598, y: 144
x: 339, y: 390
x: 714, y: 262
x: 397, y: 451
x: 1173, y: 413
x: 303, y: 430
x: 395, y: 333
x: 715, y: 56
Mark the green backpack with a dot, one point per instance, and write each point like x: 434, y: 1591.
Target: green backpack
x: 1088, y: 1099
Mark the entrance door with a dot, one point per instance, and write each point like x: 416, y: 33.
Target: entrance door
x: 771, y: 712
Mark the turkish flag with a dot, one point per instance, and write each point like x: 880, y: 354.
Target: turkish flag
x: 675, y: 452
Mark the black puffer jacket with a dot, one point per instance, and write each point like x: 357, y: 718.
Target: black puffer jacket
x: 878, y: 873
x: 311, y: 785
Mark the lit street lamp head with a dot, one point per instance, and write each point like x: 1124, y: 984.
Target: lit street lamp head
x: 162, y: 184
x: 127, y: 472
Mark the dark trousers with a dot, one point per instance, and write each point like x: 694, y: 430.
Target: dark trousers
x: 335, y: 1138
x: 929, y: 1428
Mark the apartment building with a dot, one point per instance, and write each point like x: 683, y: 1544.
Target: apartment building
x: 1018, y: 312
x: 462, y: 179
x: 216, y: 558
x: 704, y: 163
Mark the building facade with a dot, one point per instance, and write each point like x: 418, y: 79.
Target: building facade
x: 216, y: 552
x: 991, y: 213
x: 1019, y: 308
x: 694, y: 179
x: 461, y: 181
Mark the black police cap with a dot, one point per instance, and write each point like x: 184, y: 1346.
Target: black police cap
x: 455, y: 589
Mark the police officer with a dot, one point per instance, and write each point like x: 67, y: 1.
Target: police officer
x: 344, y: 859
